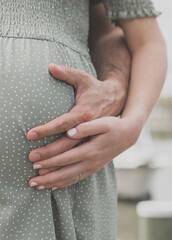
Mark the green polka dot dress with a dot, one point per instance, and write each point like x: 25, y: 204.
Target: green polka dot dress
x: 34, y: 33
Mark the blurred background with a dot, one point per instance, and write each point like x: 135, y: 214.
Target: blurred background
x: 144, y: 172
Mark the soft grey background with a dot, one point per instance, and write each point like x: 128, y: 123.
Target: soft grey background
x: 147, y: 166
x: 165, y: 20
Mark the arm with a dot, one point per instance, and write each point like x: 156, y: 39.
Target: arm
x: 109, y: 54
x: 109, y: 136
x: 148, y: 73
x: 149, y: 67
x: 94, y: 98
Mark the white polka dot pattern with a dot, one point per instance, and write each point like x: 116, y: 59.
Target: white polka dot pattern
x: 31, y: 96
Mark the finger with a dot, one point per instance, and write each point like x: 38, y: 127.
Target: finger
x: 68, y: 74
x: 47, y: 170
x: 58, y: 125
x: 68, y: 182
x: 52, y: 149
x: 73, y: 155
x: 96, y: 126
x: 60, y: 177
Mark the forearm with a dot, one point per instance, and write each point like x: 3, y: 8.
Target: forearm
x: 147, y: 77
x: 110, y: 55
x: 111, y: 60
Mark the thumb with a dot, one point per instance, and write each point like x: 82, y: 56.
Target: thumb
x: 96, y: 126
x: 68, y: 74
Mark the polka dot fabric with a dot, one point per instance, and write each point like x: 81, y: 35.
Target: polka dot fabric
x: 30, y: 96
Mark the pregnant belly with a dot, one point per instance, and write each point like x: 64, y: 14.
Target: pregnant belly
x: 29, y: 94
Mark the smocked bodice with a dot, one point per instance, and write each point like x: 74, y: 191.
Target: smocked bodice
x: 65, y: 21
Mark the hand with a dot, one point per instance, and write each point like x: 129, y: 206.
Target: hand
x: 109, y: 136
x: 94, y: 99
x: 61, y: 145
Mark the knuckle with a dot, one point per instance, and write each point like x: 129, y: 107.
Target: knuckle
x: 47, y: 127
x: 41, y: 171
x: 62, y: 177
x: 84, y: 73
x: 88, y: 115
x: 67, y: 68
x: 78, y: 115
x: 81, y: 114
x: 59, y: 163
x: 67, y: 145
x: 107, y: 126
x: 63, y: 126
x: 93, y: 154
x: 47, y: 181
x: 45, y: 152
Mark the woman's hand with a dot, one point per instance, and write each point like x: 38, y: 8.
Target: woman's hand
x: 109, y: 136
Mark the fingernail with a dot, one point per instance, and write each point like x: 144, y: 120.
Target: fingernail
x: 33, y: 184
x: 58, y: 67
x: 35, y: 156
x: 54, y: 188
x: 72, y: 131
x: 32, y: 135
x: 37, y: 166
x: 41, y: 187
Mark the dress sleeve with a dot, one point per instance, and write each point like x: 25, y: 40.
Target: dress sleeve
x: 127, y: 9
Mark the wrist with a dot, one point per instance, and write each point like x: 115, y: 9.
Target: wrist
x: 118, y: 91
x: 135, y: 123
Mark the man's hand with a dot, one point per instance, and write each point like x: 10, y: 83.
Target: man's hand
x: 91, y: 156
x: 94, y: 99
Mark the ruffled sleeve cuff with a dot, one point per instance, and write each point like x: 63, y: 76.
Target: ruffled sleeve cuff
x: 128, y: 9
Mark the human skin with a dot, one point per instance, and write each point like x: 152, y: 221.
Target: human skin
x: 109, y: 136
x: 93, y: 98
